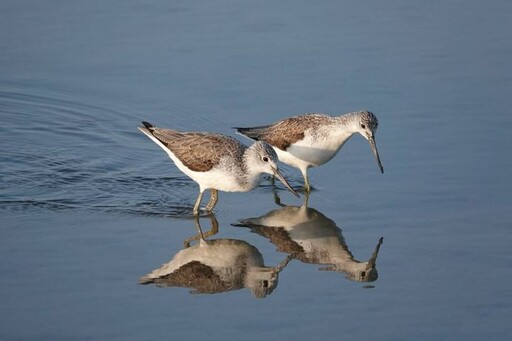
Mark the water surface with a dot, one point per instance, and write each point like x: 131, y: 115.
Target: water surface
x: 89, y: 204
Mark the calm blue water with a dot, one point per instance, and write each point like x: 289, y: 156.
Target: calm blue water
x: 89, y: 204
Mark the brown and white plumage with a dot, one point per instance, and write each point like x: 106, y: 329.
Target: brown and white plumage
x: 215, y: 161
x: 311, y: 140
x: 199, y: 152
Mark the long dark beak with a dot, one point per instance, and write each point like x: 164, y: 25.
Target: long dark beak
x: 280, y: 176
x: 371, y: 140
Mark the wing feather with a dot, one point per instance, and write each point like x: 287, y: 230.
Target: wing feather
x: 280, y: 134
x: 199, y: 152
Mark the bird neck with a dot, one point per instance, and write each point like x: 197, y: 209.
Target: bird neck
x: 347, y: 126
x: 250, y: 173
x: 348, y: 122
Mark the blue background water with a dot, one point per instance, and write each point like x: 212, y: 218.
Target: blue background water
x: 89, y: 204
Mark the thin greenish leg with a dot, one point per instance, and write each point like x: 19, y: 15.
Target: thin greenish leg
x: 307, y: 187
x: 213, y: 200
x: 198, y: 202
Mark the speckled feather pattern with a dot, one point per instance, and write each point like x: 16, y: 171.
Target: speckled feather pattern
x: 200, y: 152
x: 284, y: 133
x: 369, y: 119
x: 311, y: 140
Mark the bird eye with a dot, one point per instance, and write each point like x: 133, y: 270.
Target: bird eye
x: 265, y: 159
x: 363, y: 126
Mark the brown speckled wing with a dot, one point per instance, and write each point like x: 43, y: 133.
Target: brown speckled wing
x: 285, y: 133
x: 199, y: 152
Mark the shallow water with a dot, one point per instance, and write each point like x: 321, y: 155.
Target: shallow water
x: 89, y: 204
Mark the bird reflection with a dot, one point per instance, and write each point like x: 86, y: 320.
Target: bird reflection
x: 309, y: 236
x: 217, y: 265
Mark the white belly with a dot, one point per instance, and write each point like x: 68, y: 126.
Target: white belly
x: 217, y: 178
x: 312, y: 151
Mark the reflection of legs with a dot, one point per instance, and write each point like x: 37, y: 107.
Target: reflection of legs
x: 306, y: 198
x: 200, y: 235
x: 284, y: 263
x: 214, y: 229
x: 198, y: 228
x: 213, y: 200
x: 277, y: 199
x: 198, y: 202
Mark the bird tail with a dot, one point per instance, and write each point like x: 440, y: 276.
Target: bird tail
x: 148, y: 130
x: 147, y: 125
x: 252, y: 132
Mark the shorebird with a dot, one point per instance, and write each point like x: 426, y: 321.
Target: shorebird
x: 310, y: 140
x: 216, y: 162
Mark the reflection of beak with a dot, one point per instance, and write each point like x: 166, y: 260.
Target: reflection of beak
x: 278, y: 175
x: 373, y: 258
x: 371, y: 140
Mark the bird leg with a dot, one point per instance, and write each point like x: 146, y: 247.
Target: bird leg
x: 307, y: 186
x: 213, y: 200
x: 198, y: 202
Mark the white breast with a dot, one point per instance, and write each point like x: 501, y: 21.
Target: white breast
x: 214, y: 178
x: 315, y: 149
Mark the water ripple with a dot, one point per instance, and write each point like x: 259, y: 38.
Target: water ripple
x: 59, y: 153
x: 64, y: 151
